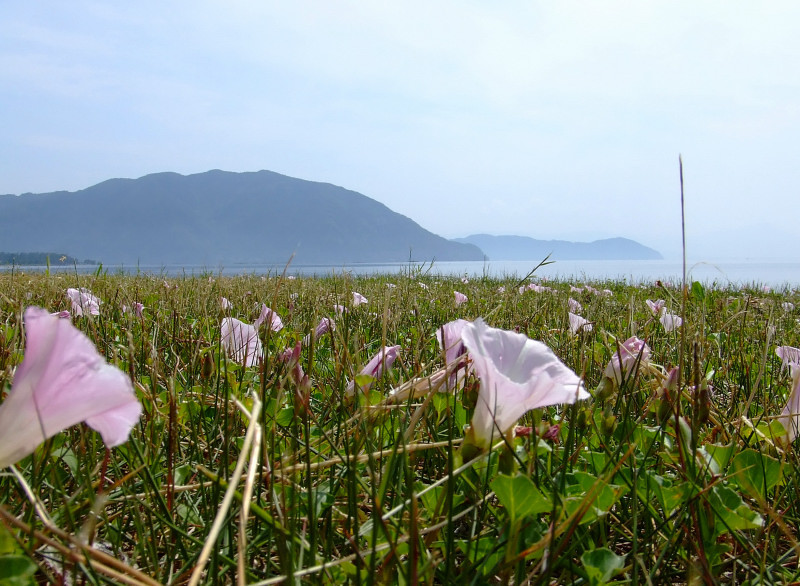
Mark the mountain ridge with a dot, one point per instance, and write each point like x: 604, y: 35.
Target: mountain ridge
x: 507, y: 247
x: 219, y: 216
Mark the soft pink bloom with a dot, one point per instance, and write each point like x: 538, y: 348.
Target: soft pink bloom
x: 137, y: 309
x: 789, y: 355
x: 226, y: 305
x: 358, y: 299
x: 63, y: 314
x: 517, y: 374
x: 275, y: 322
x: 606, y: 293
x: 574, y: 306
x: 655, y: 306
x: 575, y: 289
x: 578, y: 323
x: 340, y: 309
x: 787, y: 306
x: 325, y: 325
x: 83, y: 301
x: 501, y: 289
x: 241, y: 341
x: 449, y: 338
x: 670, y: 321
x: 383, y: 360
x: 632, y: 352
x: 61, y: 381
x: 460, y: 298
x: 790, y: 416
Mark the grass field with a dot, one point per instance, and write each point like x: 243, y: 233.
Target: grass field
x: 660, y: 479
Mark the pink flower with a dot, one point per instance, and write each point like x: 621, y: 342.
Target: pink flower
x: 460, y: 298
x: 574, y: 306
x: 83, y: 300
x: 631, y: 354
x: 340, y: 309
x: 275, y: 322
x: 789, y: 355
x: 573, y: 289
x: 64, y: 314
x: 517, y: 374
x: 225, y: 304
x: 655, y: 306
x: 383, y: 360
x: 325, y: 325
x: 790, y: 416
x: 358, y: 299
x: 578, y: 323
x: 449, y: 338
x: 137, y: 309
x: 241, y: 341
x: 501, y: 289
x: 670, y: 321
x: 61, y: 381
x: 423, y: 285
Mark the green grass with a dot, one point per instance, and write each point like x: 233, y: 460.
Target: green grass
x: 641, y: 486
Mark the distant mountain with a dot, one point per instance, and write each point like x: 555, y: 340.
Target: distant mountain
x: 219, y: 217
x: 523, y: 248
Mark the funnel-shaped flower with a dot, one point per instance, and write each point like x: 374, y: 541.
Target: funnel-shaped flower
x: 83, y: 301
x: 790, y: 416
x: 460, y: 298
x: 517, y: 374
x: 449, y: 338
x: 632, y: 352
x: 384, y: 359
x: 358, y: 299
x: 578, y: 323
x: 789, y: 355
x: 225, y: 303
x: 61, y: 381
x: 670, y: 321
x: 275, y: 322
x: 655, y: 306
x: 241, y: 341
x: 574, y: 306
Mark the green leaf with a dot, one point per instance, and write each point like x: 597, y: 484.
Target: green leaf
x: 601, y: 564
x: 16, y: 570
x: 731, y: 511
x: 519, y: 496
x: 698, y: 292
x: 755, y: 473
x: 285, y: 417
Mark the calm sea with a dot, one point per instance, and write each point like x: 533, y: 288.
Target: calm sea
x: 751, y: 273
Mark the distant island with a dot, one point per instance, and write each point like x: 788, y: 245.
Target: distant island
x: 41, y: 259
x: 524, y: 248
x: 220, y: 217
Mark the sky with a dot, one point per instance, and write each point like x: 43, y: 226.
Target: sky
x: 554, y: 120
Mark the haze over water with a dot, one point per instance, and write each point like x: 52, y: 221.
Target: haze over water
x: 775, y: 274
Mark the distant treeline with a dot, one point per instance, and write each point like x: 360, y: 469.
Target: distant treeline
x: 40, y: 258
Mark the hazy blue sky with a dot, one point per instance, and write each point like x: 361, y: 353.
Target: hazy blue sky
x: 545, y: 119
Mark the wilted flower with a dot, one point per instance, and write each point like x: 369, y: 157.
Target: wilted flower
x: 574, y: 306
x: 275, y: 322
x: 83, y: 301
x: 383, y: 360
x: 241, y: 341
x: 670, y: 321
x: 460, y: 298
x: 632, y: 352
x: 578, y: 323
x: 325, y: 325
x: 61, y: 381
x: 655, y: 306
x: 358, y: 299
x: 517, y: 374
